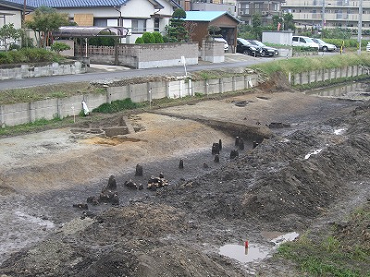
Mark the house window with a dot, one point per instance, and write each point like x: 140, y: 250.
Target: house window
x: 100, y: 22
x: 156, y: 24
x: 138, y: 25
x: 243, y: 8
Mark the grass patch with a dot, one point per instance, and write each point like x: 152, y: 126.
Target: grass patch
x: 38, y: 125
x: 304, y: 64
x: 118, y: 105
x: 212, y: 74
x: 345, y: 251
x: 31, y: 94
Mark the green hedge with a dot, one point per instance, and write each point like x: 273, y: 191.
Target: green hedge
x: 348, y: 43
x: 29, y: 55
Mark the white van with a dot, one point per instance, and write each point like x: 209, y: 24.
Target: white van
x: 304, y: 42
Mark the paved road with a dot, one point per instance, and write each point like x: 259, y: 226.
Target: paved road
x: 116, y: 73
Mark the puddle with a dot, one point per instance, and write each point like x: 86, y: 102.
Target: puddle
x: 284, y: 238
x: 339, y: 131
x: 353, y: 91
x: 312, y: 153
x: 35, y: 220
x: 253, y: 253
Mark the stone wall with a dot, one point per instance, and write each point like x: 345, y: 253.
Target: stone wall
x: 41, y: 70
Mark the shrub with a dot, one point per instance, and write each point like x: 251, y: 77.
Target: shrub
x: 59, y: 46
x: 116, y: 106
x: 148, y: 37
x: 102, y: 41
x: 158, y: 38
x: 139, y: 40
x: 32, y: 55
x: 18, y: 57
x: 5, y: 58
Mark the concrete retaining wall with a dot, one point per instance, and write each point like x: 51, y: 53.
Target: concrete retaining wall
x: 42, y: 70
x: 328, y: 74
x: 145, y: 55
x: 17, y: 114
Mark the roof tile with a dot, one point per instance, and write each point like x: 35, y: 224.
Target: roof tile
x: 71, y: 3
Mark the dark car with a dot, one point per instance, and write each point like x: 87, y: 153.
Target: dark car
x: 264, y: 50
x: 245, y: 47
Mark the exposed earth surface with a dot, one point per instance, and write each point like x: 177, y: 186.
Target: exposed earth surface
x: 74, y: 202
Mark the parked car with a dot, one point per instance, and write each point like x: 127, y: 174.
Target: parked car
x: 303, y: 41
x: 264, y: 50
x: 368, y: 47
x: 226, y: 45
x: 245, y: 47
x: 323, y: 46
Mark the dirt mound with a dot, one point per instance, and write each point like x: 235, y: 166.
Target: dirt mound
x: 137, y: 240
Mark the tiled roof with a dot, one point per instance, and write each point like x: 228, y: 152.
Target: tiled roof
x: 206, y: 16
x: 14, y: 5
x: 71, y: 3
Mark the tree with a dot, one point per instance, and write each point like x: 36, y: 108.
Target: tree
x: 288, y: 22
x: 257, y: 26
x: 8, y: 32
x: 44, y: 21
x: 176, y: 31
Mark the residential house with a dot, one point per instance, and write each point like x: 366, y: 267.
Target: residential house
x: 315, y: 14
x: 12, y: 13
x: 138, y: 16
x: 209, y: 5
x: 204, y: 19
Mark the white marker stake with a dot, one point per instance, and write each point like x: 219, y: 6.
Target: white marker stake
x: 74, y: 115
x: 183, y: 60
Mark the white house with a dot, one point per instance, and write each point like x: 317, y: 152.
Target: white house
x: 138, y: 16
x: 11, y: 13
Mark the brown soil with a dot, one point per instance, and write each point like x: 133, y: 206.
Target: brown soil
x: 309, y: 170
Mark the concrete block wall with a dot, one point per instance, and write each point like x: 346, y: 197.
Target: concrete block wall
x: 16, y: 114
x: 327, y: 74
x: 213, y: 52
x: 41, y: 70
x: 149, y: 55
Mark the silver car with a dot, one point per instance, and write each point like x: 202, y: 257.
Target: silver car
x: 323, y: 46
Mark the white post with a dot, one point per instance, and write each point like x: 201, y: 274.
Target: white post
x: 184, y: 63
x: 359, y: 37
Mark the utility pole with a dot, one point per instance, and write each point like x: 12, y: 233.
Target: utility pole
x: 323, y: 18
x: 359, y: 37
x: 25, y: 43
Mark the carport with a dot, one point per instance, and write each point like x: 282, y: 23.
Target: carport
x: 86, y: 32
x: 204, y: 19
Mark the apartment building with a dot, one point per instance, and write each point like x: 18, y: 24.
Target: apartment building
x: 328, y: 13
x: 266, y: 8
